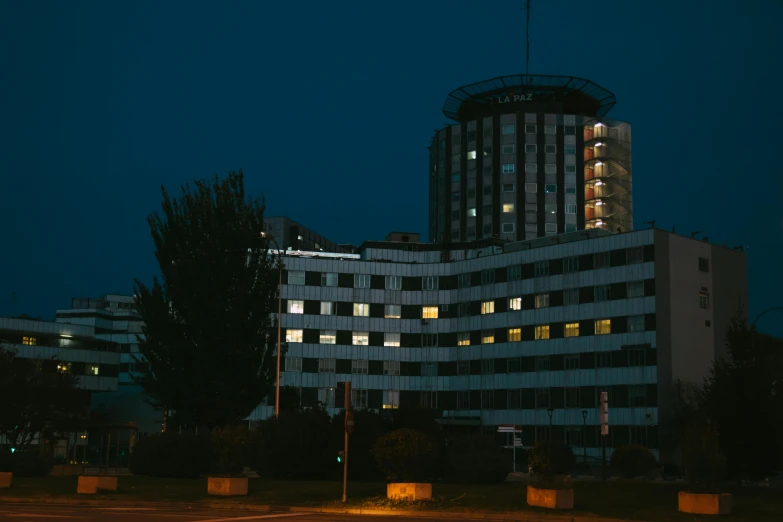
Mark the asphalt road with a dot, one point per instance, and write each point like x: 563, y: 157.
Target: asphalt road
x: 175, y: 513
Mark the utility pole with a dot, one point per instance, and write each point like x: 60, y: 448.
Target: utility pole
x: 348, y: 431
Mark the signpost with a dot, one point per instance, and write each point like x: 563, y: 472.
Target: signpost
x: 604, y: 427
x: 348, y: 431
x: 517, y: 442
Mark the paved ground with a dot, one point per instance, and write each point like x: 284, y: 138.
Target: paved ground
x: 180, y: 513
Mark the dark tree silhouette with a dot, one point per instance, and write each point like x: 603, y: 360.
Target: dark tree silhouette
x: 209, y: 334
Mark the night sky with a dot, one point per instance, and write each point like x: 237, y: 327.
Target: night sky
x: 325, y: 103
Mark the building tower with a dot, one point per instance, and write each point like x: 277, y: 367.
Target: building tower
x: 529, y: 156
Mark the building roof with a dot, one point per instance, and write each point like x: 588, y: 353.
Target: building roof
x: 576, y: 92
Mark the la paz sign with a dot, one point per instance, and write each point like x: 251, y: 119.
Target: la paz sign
x: 514, y: 98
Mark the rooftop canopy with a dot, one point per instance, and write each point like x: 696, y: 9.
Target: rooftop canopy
x: 576, y: 94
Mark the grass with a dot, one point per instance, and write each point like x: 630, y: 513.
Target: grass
x: 621, y: 499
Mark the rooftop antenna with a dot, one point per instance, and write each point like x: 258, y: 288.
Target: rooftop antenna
x: 527, y: 38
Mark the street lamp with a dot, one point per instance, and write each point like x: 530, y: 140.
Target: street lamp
x: 584, y: 439
x: 279, y: 317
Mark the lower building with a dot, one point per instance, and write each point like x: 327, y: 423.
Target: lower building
x: 527, y: 333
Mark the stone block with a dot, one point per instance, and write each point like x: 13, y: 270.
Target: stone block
x: 5, y: 479
x: 550, y: 498
x: 92, y: 484
x: 225, y: 487
x: 704, y: 503
x: 409, y: 491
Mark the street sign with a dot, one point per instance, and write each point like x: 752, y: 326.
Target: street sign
x: 349, y: 422
x: 517, y: 442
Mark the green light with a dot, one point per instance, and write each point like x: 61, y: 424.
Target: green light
x: 13, y: 450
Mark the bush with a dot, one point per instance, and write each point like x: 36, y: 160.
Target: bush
x: 232, y: 449
x: 478, y: 460
x: 295, y: 445
x: 406, y: 455
x: 24, y: 464
x: 173, y: 455
x: 562, y: 458
x: 632, y: 461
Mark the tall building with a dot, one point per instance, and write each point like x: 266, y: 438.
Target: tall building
x: 509, y: 333
x: 529, y: 156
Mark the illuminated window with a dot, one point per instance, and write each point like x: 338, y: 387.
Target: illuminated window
x: 487, y: 307
x: 572, y: 330
x: 508, y: 207
x: 463, y: 339
x: 542, y: 300
x: 488, y: 337
x: 64, y: 367
x: 361, y: 281
x: 327, y: 308
x: 391, y: 367
x: 329, y: 279
x: 293, y: 336
x: 391, y: 339
x: 393, y: 282
x: 360, y: 366
x: 326, y: 365
x: 392, y: 311
x: 508, y: 168
x: 327, y: 337
x: 514, y: 335
x: 429, y: 312
x: 391, y: 400
x: 93, y: 369
x: 515, y: 303
x: 361, y: 309
x: 30, y: 341
x: 603, y: 326
x: 471, y: 154
x: 361, y: 338
x: 295, y: 307
x: 542, y: 332
x: 472, y: 212
x: 296, y: 277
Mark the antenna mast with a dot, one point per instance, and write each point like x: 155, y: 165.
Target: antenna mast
x: 527, y: 39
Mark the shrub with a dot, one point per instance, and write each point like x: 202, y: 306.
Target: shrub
x: 172, y: 455
x: 632, y: 461
x: 295, y: 445
x: 562, y: 458
x: 406, y: 455
x: 232, y: 449
x: 701, y: 455
x: 478, y: 460
x: 24, y: 464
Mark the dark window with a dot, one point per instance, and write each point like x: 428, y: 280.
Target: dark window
x: 704, y: 265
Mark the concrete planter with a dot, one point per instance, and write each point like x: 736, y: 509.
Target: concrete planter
x: 92, y: 484
x: 704, y: 503
x: 6, y: 477
x: 66, y: 470
x: 409, y: 491
x: 225, y: 486
x: 550, y: 498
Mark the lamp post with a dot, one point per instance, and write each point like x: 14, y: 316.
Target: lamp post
x: 584, y: 439
x: 279, y: 317
x: 550, y: 411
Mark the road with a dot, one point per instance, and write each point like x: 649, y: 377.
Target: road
x: 28, y: 512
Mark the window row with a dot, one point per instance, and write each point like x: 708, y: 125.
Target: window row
x: 567, y: 297
x: 580, y: 397
x: 629, y: 356
x: 572, y: 264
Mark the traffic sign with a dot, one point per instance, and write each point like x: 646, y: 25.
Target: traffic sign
x: 604, y: 413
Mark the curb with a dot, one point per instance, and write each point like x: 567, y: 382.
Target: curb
x: 474, y: 515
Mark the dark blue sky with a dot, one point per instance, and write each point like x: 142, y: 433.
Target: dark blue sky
x: 319, y: 102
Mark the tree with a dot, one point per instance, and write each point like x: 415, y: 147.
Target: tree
x: 406, y: 455
x: 743, y: 398
x: 208, y: 330
x: 35, y: 402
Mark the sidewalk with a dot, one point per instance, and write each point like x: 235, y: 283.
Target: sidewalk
x: 519, y: 516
